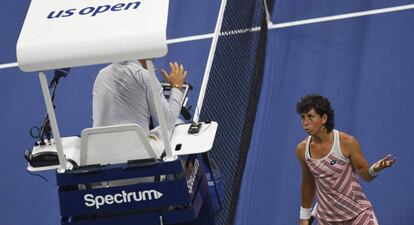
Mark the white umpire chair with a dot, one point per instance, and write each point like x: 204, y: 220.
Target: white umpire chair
x: 115, y: 144
x: 109, y: 154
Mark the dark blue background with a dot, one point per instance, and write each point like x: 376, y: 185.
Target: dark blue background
x: 364, y: 65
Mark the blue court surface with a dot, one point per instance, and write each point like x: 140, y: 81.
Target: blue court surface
x: 363, y: 64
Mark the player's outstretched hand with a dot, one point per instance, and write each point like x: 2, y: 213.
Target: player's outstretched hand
x: 385, y: 162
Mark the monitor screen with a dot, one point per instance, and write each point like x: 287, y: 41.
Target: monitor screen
x: 167, y: 92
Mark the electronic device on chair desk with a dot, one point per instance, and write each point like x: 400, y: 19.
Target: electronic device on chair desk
x: 185, y: 111
x: 166, y: 87
x: 41, y: 159
x: 194, y: 128
x: 185, y: 143
x: 44, y: 157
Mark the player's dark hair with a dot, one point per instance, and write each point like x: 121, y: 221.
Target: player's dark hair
x: 320, y: 104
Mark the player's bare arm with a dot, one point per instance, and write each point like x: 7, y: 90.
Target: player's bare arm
x: 308, y: 182
x: 352, y: 150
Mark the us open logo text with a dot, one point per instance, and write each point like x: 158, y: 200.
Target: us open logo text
x: 93, y: 10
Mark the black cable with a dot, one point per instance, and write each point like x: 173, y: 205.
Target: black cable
x: 45, y: 129
x: 42, y: 177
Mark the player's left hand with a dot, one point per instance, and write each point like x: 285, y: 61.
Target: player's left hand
x: 385, y: 162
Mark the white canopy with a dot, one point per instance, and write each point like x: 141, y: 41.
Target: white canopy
x: 67, y: 33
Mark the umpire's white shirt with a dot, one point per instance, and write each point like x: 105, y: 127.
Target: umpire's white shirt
x: 121, y: 95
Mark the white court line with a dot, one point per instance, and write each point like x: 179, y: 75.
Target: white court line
x: 275, y: 26
x: 8, y: 65
x: 190, y: 38
x: 341, y: 16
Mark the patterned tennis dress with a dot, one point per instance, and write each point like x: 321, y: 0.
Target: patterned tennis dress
x: 341, y: 200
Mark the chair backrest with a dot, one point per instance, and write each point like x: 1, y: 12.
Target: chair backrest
x: 114, y: 144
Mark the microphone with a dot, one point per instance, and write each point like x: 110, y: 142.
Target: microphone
x: 60, y: 73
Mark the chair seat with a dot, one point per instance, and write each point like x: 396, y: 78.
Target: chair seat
x: 114, y: 144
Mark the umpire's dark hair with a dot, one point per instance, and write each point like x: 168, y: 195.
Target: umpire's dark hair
x: 320, y: 104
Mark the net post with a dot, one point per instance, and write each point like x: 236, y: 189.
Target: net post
x: 210, y: 60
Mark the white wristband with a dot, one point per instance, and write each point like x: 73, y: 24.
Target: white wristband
x: 305, y: 213
x: 372, y: 172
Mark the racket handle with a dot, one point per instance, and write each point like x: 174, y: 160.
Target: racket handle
x: 311, y: 220
x: 313, y: 214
